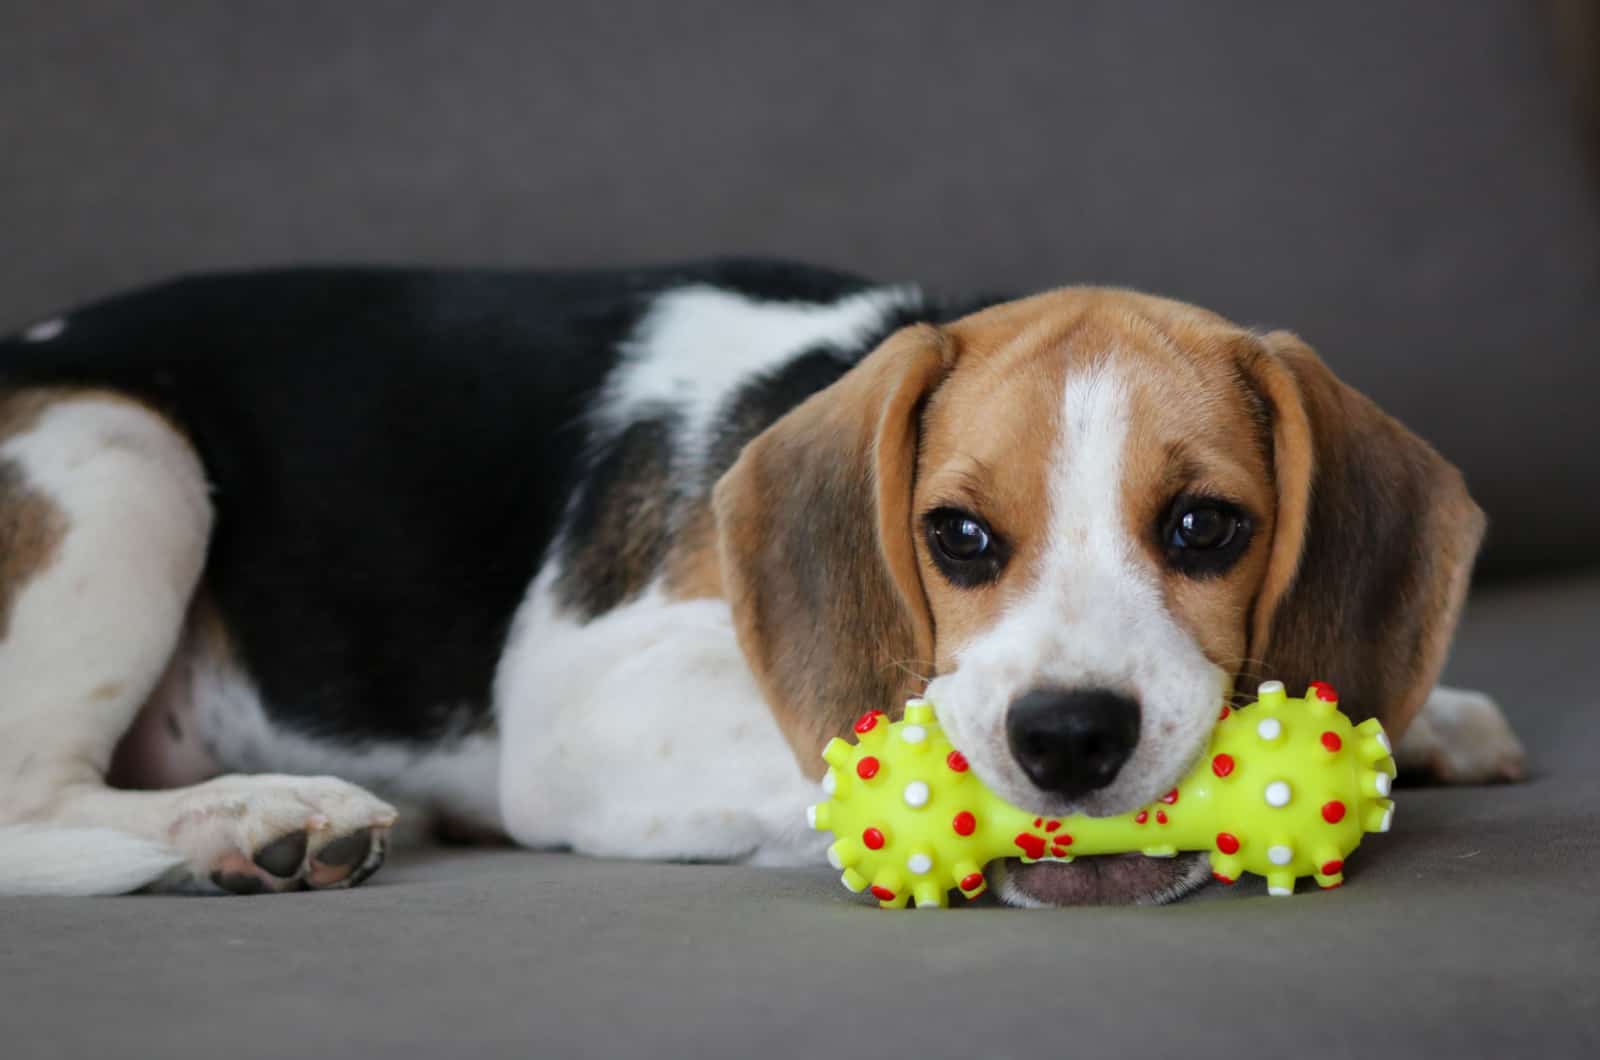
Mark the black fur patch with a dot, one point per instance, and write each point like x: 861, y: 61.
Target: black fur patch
x: 391, y: 452
x: 617, y: 532
x: 765, y: 399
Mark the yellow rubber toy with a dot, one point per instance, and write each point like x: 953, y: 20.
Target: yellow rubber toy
x: 1287, y: 789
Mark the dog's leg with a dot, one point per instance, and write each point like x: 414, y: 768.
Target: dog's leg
x: 1461, y: 737
x: 104, y: 525
x: 642, y: 734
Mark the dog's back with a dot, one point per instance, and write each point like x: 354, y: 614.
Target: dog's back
x: 390, y: 453
x: 387, y: 458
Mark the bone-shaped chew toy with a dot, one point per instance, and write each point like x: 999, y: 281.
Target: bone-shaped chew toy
x: 1287, y: 789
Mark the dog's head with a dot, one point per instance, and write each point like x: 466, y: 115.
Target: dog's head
x: 1084, y: 520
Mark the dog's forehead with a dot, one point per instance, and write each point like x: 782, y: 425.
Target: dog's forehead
x: 1035, y: 320
x: 1074, y: 325
x: 1175, y: 366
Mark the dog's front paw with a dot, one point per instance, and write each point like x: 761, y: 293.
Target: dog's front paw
x: 270, y: 833
x: 1461, y: 737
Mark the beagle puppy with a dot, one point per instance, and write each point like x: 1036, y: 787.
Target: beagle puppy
x: 599, y: 561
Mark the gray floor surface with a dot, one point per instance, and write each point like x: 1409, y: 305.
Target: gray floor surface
x: 1470, y: 930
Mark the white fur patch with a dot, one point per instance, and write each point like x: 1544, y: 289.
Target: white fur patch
x: 45, y: 330
x: 641, y: 733
x: 39, y: 860
x: 91, y: 633
x: 1460, y: 736
x: 698, y: 345
x: 1094, y: 617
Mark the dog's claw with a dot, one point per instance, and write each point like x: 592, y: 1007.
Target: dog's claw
x: 375, y: 858
x: 349, y: 859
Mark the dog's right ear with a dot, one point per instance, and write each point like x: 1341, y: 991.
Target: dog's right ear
x: 814, y: 539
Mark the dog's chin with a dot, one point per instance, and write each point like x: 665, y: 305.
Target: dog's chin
x: 1112, y: 879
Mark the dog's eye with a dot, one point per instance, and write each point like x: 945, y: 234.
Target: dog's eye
x: 1205, y: 527
x: 1204, y: 537
x: 965, y: 550
x: 959, y: 536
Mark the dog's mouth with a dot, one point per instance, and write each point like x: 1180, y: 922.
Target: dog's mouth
x: 1110, y: 879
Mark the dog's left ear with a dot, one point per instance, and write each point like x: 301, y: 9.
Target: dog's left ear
x: 1373, y: 543
x: 814, y: 541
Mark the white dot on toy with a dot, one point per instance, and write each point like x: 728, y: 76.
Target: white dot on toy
x: 919, y: 864
x: 1269, y: 728
x: 830, y: 781
x: 1278, y: 793
x: 913, y: 734
x: 1280, y: 855
x: 917, y: 793
x: 1382, y: 783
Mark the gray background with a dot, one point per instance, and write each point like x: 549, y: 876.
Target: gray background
x: 1402, y: 183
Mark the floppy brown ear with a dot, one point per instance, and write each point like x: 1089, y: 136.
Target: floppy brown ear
x: 1372, y: 547
x: 814, y: 530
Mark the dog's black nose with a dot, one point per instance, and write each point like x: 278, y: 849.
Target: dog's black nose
x: 1071, y: 742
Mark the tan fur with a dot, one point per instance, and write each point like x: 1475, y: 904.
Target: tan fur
x: 986, y: 440
x: 1366, y: 594
x: 1195, y: 431
x: 832, y: 585
x: 617, y: 557
x: 813, y: 525
x: 694, y: 568
x: 31, y: 527
x: 991, y: 429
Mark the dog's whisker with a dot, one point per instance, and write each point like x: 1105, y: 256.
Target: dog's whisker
x: 905, y: 665
x: 1245, y: 666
